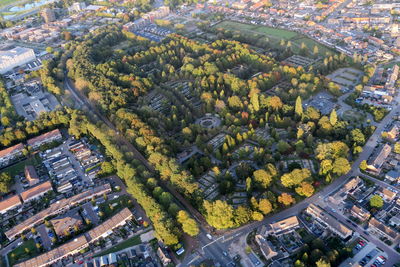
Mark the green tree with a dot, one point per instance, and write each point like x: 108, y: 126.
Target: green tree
x: 265, y: 206
x: 363, y: 165
x: 333, y: 117
x: 322, y: 263
x: 298, y: 107
x: 189, y: 225
x: 376, y: 201
x: 219, y: 214
x: 262, y: 177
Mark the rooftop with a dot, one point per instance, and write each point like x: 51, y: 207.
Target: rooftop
x: 9, y: 203
x: 36, y: 191
x: 10, y: 150
x: 43, y: 137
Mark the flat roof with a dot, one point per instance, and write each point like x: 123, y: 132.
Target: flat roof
x: 285, y: 224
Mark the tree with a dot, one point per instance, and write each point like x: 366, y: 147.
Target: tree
x: 265, y: 206
x: 262, y: 177
x: 257, y: 216
x: 298, y: 107
x: 296, y: 177
x: 397, y: 148
x: 286, y: 199
x: 363, y: 165
x: 341, y: 166
x: 5, y: 182
x: 305, y: 189
x: 333, y: 117
x: 322, y: 263
x: 282, y: 146
x: 219, y: 214
x: 376, y: 201
x: 189, y: 225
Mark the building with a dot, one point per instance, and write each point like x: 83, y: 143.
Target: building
x: 392, y: 175
x: 376, y: 161
x: 9, y: 154
x: 36, y: 192
x: 48, y: 15
x: 387, y: 194
x: 382, y: 230
x: 56, y: 208
x: 9, y: 204
x: 265, y: 247
x: 393, y: 132
x: 79, y: 243
x: 360, y: 213
x: 64, y: 187
x: 165, y: 260
x: 31, y: 175
x: 77, y: 7
x: 328, y: 221
x: 352, y: 184
x: 45, y: 138
x: 67, y: 223
x: 18, y: 56
x: 284, y: 226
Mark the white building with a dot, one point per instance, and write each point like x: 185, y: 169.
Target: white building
x: 15, y: 57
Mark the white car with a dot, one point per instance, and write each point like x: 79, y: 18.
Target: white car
x: 209, y: 236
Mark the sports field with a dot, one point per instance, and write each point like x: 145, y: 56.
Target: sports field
x: 275, y: 35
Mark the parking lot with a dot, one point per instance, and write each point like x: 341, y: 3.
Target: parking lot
x: 153, y: 32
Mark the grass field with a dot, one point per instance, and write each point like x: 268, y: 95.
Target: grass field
x: 19, y: 253
x: 352, y: 115
x: 275, y: 35
x: 20, y: 166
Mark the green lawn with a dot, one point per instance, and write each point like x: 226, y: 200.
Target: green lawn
x: 133, y: 241
x: 122, y: 202
x: 19, y: 253
x: 20, y: 166
x: 275, y: 35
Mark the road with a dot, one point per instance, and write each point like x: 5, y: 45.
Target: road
x: 214, y: 249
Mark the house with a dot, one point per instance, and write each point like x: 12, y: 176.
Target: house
x: 387, y: 194
x: 36, y: 192
x: 8, y: 154
x: 79, y: 243
x: 284, y: 226
x: 67, y: 223
x: 165, y: 260
x: 376, y: 161
x: 392, y: 175
x: 18, y: 56
x: 352, y: 184
x: 395, y: 221
x: 45, y: 138
x: 64, y: 187
x: 328, y: 221
x: 56, y: 208
x: 265, y: 247
x: 382, y: 230
x: 393, y: 133
x: 9, y: 204
x: 360, y: 213
x: 31, y: 175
